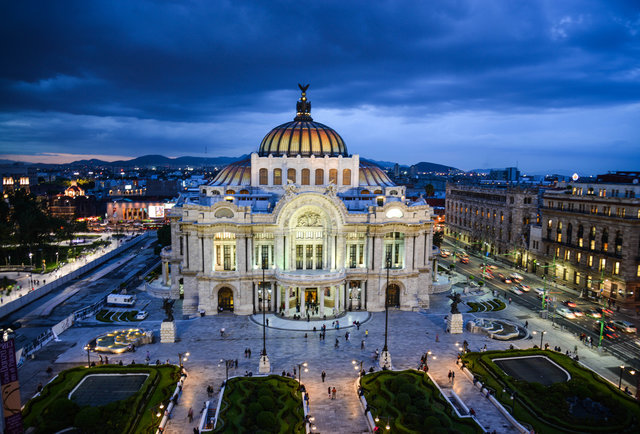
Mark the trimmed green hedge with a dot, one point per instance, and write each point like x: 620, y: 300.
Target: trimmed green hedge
x: 412, y: 403
x: 546, y: 407
x: 51, y: 411
x: 486, y: 306
x: 261, y: 404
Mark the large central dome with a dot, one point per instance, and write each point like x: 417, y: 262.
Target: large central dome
x: 303, y: 136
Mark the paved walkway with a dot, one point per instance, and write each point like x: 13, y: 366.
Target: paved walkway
x: 411, y: 334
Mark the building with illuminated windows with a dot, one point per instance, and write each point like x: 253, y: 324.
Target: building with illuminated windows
x: 312, y: 228
x: 591, y: 237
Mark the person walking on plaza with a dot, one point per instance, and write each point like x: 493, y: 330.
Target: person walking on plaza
x: 329, y: 391
x: 337, y: 343
x: 362, y: 345
x: 190, y: 414
x: 366, y: 333
x: 333, y: 393
x: 323, y: 375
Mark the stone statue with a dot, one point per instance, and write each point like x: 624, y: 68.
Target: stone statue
x: 167, y: 305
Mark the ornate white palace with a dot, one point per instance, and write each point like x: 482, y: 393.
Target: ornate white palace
x: 317, y: 230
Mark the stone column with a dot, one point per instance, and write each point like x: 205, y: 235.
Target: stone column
x: 408, y: 252
x: 165, y: 273
x: 379, y: 253
x: 340, y: 257
x: 241, y: 252
x: 286, y: 300
x: 321, y: 300
x: 302, y: 301
x: 208, y: 255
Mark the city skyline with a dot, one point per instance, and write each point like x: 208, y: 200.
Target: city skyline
x: 546, y: 87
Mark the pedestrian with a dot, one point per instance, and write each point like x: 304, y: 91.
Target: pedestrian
x: 366, y: 333
x: 337, y: 344
x: 453, y: 376
x: 190, y: 414
x: 323, y: 375
x: 333, y: 393
x: 222, y: 332
x: 526, y: 324
x: 267, y: 322
x: 449, y: 376
x: 329, y: 391
x: 362, y: 345
x: 509, y: 300
x: 346, y: 336
x: 437, y: 338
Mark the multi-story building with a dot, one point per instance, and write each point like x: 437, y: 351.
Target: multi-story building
x: 591, y: 237
x: 494, y: 218
x: 303, y: 227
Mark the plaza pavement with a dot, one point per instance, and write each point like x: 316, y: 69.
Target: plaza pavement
x: 411, y: 334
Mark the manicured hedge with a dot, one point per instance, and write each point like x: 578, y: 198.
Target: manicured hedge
x: 546, y: 407
x: 51, y: 411
x: 261, y: 404
x: 411, y: 403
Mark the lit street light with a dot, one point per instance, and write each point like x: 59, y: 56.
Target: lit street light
x: 385, y: 358
x: 355, y: 363
x: 264, y: 367
x: 229, y: 363
x: 300, y: 366
x: 542, y: 332
x: 181, y: 359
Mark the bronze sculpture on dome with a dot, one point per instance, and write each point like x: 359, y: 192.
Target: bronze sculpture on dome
x: 303, y: 107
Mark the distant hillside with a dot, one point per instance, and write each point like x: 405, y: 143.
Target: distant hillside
x: 424, y: 166
x: 159, y: 161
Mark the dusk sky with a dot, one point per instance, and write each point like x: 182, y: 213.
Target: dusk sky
x: 546, y: 85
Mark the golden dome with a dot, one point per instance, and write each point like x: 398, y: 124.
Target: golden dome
x: 236, y: 173
x: 303, y: 136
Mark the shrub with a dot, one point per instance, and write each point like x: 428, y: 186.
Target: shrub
x: 253, y: 409
x: 266, y: 402
x: 61, y: 414
x: 430, y: 423
x: 266, y: 421
x: 88, y: 419
x: 402, y: 400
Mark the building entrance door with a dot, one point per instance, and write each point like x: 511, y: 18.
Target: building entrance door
x: 311, y: 296
x: 393, y: 295
x: 225, y: 299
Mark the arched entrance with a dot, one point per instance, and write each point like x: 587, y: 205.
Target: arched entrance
x: 225, y: 299
x: 393, y: 295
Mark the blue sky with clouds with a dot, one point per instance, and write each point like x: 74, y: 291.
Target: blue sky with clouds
x: 548, y: 85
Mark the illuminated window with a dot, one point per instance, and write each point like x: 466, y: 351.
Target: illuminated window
x: 567, y: 255
x: 638, y: 271
x: 277, y: 176
x: 306, y: 175
x: 616, y: 268
x: 603, y: 264
x: 319, y: 177
x: 578, y: 257
x: 264, y: 177
x: 590, y: 261
x: 346, y: 177
x: 557, y: 252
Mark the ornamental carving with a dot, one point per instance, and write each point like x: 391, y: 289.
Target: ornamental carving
x: 309, y: 219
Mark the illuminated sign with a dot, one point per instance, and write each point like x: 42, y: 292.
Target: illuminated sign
x: 156, y: 212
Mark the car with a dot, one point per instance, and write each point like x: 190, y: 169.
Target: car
x: 569, y: 303
x: 624, y: 326
x: 604, y: 311
x: 515, y: 290
x: 577, y: 312
x: 141, y: 315
x: 464, y: 260
x: 516, y: 277
x: 444, y: 253
x: 592, y: 313
x: 493, y: 267
x: 608, y: 331
x: 525, y: 288
x: 565, y: 312
x: 539, y: 291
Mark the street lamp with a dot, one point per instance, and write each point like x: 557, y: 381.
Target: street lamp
x: 385, y: 358
x: 300, y: 366
x: 264, y: 367
x: 181, y: 359
x: 542, y: 332
x: 513, y: 395
x: 228, y: 364
x: 57, y: 259
x: 86, y: 347
x: 355, y: 363
x: 632, y: 372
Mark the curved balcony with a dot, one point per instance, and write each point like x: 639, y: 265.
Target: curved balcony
x: 310, y: 277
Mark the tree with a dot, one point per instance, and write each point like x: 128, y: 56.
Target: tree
x: 438, y: 238
x: 429, y: 190
x: 31, y: 225
x: 164, y: 235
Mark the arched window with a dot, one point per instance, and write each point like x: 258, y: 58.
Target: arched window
x: 230, y: 192
x: 277, y: 176
x: 244, y: 191
x: 264, y: 177
x: 618, y: 242
x: 319, y: 176
x: 569, y: 233
x: 378, y: 191
x: 365, y: 192
x: 346, y: 177
x: 333, y: 176
x: 605, y: 240
x: 592, y: 238
x: 559, y: 233
x: 291, y: 175
x: 306, y: 175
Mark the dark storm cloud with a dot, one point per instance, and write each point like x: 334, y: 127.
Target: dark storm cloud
x: 218, y: 64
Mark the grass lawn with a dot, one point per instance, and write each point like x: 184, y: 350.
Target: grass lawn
x: 411, y: 403
x: 52, y: 411
x: 585, y: 403
x: 261, y: 404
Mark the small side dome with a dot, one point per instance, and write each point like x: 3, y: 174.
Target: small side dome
x: 372, y: 175
x: 236, y: 173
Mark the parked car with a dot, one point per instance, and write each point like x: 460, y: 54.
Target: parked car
x: 593, y: 313
x: 141, y: 315
x: 565, y: 312
x: 624, y: 326
x: 569, y: 303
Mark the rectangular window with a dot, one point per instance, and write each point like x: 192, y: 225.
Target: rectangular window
x: 319, y: 176
x: 590, y: 261
x: 319, y: 257
x: 576, y: 277
x: 227, y: 258
x: 592, y: 244
x: 277, y: 176
x: 352, y: 256
x: 299, y: 257
x: 309, y: 257
x: 264, y: 177
x: 616, y: 268
x: 557, y: 252
x: 567, y: 255
x: 578, y: 257
x: 564, y: 274
x: 291, y: 175
x: 333, y: 176
x: 638, y: 271
x: 602, y: 264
